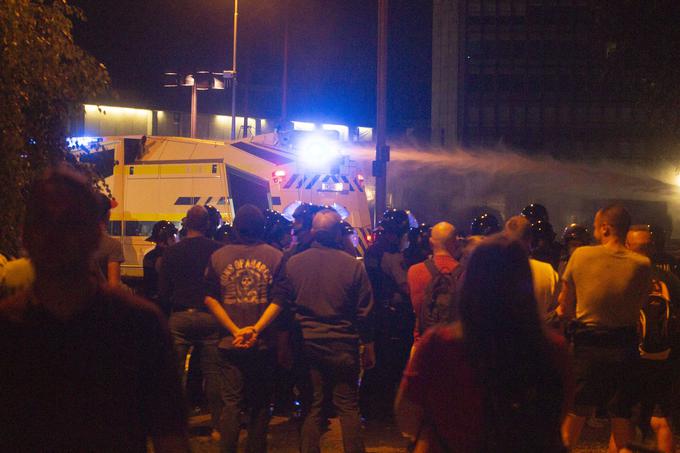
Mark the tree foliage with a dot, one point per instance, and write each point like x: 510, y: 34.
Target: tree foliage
x: 44, y: 78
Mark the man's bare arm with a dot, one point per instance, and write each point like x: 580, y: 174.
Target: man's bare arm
x: 566, y: 309
x: 218, y: 311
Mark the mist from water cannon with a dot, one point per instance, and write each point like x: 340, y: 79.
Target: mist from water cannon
x: 461, y: 184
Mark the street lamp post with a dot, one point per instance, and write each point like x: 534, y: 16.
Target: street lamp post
x: 382, y: 151
x: 199, y: 81
x: 284, y: 75
x: 233, y: 75
x: 194, y: 109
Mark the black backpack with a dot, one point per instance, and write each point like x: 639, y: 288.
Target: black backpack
x: 655, y: 323
x: 438, y: 304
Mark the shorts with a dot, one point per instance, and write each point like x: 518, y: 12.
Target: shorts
x: 656, y: 387
x: 606, y: 376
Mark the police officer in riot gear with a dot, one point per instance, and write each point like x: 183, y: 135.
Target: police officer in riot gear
x: 574, y: 236
x: 535, y: 212
x: 485, y: 224
x: 418, y: 245
x: 302, y: 227
x: 289, y: 338
x: 277, y: 229
x: 215, y: 221
x: 384, y: 261
x: 348, y: 238
x: 164, y: 234
x: 225, y: 234
x: 660, y: 258
x: 543, y: 245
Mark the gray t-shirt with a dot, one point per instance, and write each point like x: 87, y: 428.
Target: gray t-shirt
x: 239, y: 276
x: 610, y: 286
x: 109, y: 249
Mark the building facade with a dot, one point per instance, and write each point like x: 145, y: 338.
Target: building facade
x: 104, y: 120
x: 523, y: 74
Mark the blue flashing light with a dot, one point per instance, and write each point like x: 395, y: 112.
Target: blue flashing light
x: 318, y: 151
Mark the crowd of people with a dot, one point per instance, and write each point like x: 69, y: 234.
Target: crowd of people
x: 492, y: 338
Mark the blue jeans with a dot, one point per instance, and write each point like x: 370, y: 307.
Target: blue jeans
x: 331, y: 368
x: 193, y: 328
x: 248, y: 384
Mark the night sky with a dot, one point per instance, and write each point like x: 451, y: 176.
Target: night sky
x: 332, y: 55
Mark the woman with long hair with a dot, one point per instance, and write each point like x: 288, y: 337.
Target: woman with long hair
x: 496, y: 380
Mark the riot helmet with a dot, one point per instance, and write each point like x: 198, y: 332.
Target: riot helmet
x: 419, y: 234
x: 162, y: 232
x: 303, y: 217
x: 225, y: 234
x: 484, y: 225
x: 535, y: 212
x: 349, y: 240
x: 396, y: 221
x: 542, y: 231
x: 658, y: 237
x: 276, y: 229
x: 215, y: 220
x: 346, y: 228
x: 576, y: 232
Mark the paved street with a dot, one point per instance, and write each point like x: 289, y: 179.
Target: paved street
x: 380, y: 437
x: 283, y: 437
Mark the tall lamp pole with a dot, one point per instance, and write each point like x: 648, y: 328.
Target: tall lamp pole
x: 233, y: 69
x: 198, y: 81
x: 194, y: 108
x: 284, y: 76
x: 382, y: 151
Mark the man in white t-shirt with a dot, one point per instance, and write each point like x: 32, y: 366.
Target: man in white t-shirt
x: 543, y: 275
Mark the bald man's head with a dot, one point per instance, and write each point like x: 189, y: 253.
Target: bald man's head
x: 518, y: 228
x: 326, y: 220
x: 443, y: 238
x: 326, y: 227
x: 639, y: 239
x: 197, y: 219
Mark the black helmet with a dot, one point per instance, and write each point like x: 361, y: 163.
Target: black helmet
x: 275, y: 226
x: 305, y: 214
x: 346, y: 228
x: 658, y: 237
x: 215, y: 220
x: 396, y: 221
x: 542, y: 230
x: 484, y: 225
x: 162, y: 231
x: 419, y: 233
x: 273, y: 218
x: 535, y: 212
x: 576, y: 232
x: 225, y: 234
x: 377, y: 232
